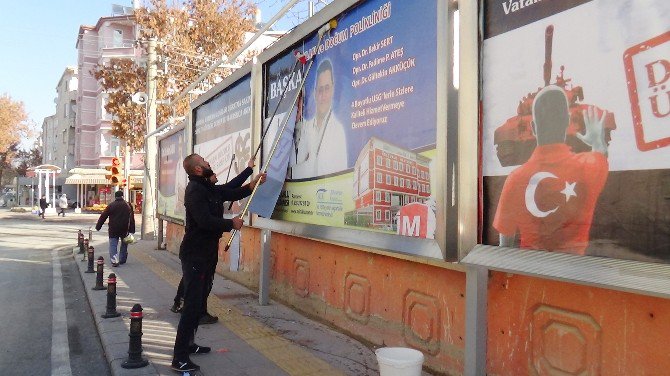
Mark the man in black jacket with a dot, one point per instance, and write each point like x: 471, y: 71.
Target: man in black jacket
x: 121, y: 223
x: 199, y: 249
x: 207, y: 318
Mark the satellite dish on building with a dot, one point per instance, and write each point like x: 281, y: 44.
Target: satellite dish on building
x: 140, y: 98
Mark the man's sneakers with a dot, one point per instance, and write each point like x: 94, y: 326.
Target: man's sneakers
x: 184, y: 366
x: 208, y: 319
x: 196, y: 349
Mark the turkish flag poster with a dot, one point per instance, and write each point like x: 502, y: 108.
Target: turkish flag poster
x: 575, y: 134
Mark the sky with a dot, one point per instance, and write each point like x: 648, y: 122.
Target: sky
x: 39, y: 39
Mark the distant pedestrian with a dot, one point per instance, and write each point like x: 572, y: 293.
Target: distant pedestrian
x: 62, y: 204
x: 43, y: 206
x: 121, y: 223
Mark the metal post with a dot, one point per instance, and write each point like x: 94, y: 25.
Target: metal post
x: 126, y: 171
x: 264, y: 283
x: 135, y: 359
x: 98, y: 276
x: 160, y: 236
x: 476, y: 295
x: 148, y: 210
x: 111, y: 298
x: 80, y: 242
x: 91, y: 255
x: 90, y: 234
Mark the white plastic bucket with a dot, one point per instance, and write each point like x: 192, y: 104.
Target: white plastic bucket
x: 399, y: 361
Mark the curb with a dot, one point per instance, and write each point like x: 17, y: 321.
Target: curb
x: 113, y: 332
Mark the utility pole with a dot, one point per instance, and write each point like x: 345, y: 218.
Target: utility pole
x: 126, y: 170
x: 148, y: 192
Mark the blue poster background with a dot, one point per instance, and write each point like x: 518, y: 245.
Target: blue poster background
x: 412, y: 27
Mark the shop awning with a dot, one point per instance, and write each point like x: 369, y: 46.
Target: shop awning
x: 86, y: 179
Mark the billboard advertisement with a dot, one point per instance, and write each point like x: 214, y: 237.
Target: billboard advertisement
x: 363, y: 129
x: 222, y: 132
x: 172, y: 178
x: 576, y: 127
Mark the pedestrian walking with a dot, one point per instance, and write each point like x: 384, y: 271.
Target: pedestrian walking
x: 198, y: 252
x: 62, y: 204
x: 43, y: 206
x: 121, y: 223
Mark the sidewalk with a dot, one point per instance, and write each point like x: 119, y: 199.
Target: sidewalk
x: 249, y: 339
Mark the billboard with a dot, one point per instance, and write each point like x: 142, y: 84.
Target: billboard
x: 363, y: 150
x: 576, y: 127
x: 172, y: 178
x: 222, y: 132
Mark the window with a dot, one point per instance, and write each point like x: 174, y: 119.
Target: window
x: 378, y: 215
x: 427, y: 188
x: 414, y: 185
x: 395, y: 165
x: 365, y: 164
x: 395, y: 181
x: 413, y: 170
x: 387, y: 215
x: 379, y: 177
x: 118, y: 38
x: 388, y: 179
x: 400, y: 166
x: 408, y: 168
x: 378, y: 196
x: 408, y: 182
x: 402, y: 183
x: 388, y: 163
x: 380, y: 162
x: 387, y: 196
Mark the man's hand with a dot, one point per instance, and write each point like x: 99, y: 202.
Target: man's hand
x: 258, y: 177
x: 237, y: 223
x: 594, y: 135
x: 251, y: 163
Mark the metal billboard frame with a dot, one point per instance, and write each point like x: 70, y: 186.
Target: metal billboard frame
x: 448, y: 244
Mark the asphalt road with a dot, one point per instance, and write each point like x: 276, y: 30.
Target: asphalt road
x: 46, y: 326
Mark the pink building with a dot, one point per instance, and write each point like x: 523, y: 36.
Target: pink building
x: 111, y: 37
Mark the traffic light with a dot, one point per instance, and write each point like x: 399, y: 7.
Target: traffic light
x: 115, y: 175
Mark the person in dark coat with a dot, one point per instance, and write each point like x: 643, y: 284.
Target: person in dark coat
x: 43, y: 206
x: 121, y: 223
x: 207, y: 318
x: 198, y: 252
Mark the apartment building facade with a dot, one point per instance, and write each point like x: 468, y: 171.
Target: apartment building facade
x: 111, y: 37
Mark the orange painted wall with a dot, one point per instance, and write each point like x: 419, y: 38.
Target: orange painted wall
x: 380, y: 299
x: 535, y: 326
x: 542, y: 327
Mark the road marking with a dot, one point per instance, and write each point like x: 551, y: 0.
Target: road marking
x: 60, y: 348
x: 27, y: 261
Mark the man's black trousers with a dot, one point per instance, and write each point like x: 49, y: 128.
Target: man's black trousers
x: 195, y: 282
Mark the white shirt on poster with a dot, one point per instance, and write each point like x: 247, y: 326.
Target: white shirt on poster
x: 320, y: 151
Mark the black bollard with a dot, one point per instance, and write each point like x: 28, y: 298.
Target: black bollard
x: 85, y: 248
x: 98, y: 276
x: 80, y: 242
x: 91, y: 253
x: 111, y: 298
x: 135, y: 359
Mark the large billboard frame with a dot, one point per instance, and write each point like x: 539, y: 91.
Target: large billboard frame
x: 227, y: 83
x: 183, y: 126
x: 446, y: 245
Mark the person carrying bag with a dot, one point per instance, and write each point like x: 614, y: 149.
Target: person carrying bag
x: 121, y: 227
